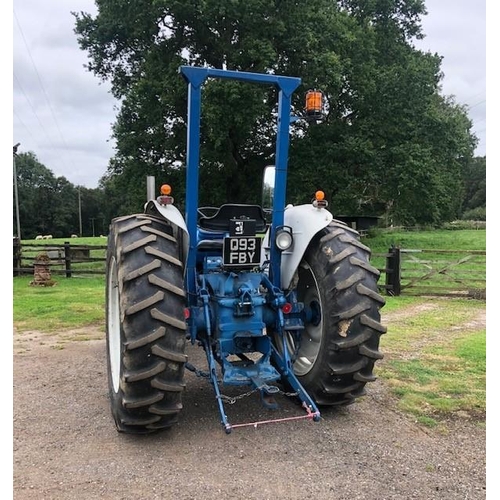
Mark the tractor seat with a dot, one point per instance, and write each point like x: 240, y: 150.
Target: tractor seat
x: 220, y: 220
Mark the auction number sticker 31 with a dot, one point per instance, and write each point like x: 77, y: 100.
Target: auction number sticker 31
x: 241, y: 251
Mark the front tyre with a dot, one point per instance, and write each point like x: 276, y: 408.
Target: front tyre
x: 336, y: 353
x: 145, y: 326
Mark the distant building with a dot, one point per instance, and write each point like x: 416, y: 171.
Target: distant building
x: 359, y: 222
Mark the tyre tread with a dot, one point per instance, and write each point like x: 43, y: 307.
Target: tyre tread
x: 347, y: 283
x: 152, y: 330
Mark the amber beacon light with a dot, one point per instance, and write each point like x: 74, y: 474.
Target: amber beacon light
x: 314, y: 105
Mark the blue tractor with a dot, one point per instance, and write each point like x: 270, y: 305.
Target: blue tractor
x: 284, y: 300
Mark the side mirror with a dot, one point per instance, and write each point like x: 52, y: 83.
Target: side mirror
x: 268, y: 188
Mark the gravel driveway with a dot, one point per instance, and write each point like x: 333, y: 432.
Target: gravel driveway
x: 66, y: 446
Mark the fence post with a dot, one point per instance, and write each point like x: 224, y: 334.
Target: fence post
x: 393, y: 271
x: 17, y: 256
x: 67, y: 258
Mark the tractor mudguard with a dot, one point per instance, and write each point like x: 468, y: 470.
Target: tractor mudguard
x: 172, y: 214
x: 305, y: 221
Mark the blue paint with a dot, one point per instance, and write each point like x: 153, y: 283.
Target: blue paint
x: 231, y: 310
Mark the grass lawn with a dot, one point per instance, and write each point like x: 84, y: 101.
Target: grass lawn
x: 71, y: 302
x: 465, y: 239
x: 435, y: 359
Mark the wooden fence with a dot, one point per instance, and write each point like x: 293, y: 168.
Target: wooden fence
x: 66, y: 259
x: 403, y: 271
x: 434, y: 272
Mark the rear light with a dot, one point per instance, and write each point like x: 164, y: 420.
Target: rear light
x: 165, y: 200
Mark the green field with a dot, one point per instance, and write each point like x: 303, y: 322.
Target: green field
x: 465, y: 239
x: 378, y: 240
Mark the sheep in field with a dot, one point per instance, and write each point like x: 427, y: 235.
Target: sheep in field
x: 39, y: 237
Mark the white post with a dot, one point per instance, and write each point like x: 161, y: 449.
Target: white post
x: 18, y: 223
x: 150, y: 187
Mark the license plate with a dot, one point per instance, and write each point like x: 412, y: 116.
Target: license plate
x: 241, y: 251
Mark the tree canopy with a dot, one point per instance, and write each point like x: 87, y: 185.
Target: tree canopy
x: 390, y: 144
x: 52, y: 205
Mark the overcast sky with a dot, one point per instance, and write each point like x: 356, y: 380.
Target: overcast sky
x: 63, y: 113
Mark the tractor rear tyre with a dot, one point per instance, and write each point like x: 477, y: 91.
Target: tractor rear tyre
x: 145, y: 325
x: 338, y: 348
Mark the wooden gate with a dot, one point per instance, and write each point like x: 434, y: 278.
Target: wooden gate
x: 435, y: 272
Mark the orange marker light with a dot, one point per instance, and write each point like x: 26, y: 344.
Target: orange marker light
x: 165, y: 189
x: 319, y: 195
x: 314, y: 102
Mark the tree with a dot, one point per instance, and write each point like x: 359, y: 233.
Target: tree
x: 51, y: 205
x: 475, y: 184
x: 389, y: 145
x: 35, y: 212
x: 394, y: 147
x: 94, y: 211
